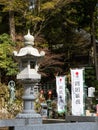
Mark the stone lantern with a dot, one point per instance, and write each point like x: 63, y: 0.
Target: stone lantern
x: 29, y: 59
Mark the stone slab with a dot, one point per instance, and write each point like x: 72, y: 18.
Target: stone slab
x: 19, y: 122
x: 81, y: 119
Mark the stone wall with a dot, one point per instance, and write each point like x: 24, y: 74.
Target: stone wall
x: 31, y: 124
x: 61, y: 126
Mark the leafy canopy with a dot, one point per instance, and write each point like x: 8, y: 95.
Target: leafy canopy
x: 7, y: 62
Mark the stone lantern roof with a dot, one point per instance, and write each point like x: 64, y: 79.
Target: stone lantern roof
x: 29, y: 49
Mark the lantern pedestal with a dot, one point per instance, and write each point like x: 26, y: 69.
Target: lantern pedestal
x: 28, y: 101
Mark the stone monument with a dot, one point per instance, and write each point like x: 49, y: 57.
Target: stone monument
x: 29, y: 59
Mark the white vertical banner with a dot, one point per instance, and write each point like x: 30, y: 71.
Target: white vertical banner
x: 60, y: 88
x: 77, y: 83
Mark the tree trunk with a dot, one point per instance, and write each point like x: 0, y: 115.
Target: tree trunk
x: 38, y: 6
x: 12, y: 25
x: 93, y: 41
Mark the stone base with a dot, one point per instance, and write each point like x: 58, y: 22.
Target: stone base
x: 30, y: 118
x: 72, y: 118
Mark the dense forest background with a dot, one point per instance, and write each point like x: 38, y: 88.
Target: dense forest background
x: 67, y: 30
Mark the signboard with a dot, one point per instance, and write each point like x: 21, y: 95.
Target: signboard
x: 91, y: 91
x: 77, y: 83
x: 60, y: 88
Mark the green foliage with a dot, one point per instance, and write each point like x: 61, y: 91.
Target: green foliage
x: 48, y: 5
x: 7, y: 63
x: 80, y: 13
x: 54, y: 27
x: 11, y: 109
x: 14, y: 5
x: 4, y: 91
x: 90, y: 78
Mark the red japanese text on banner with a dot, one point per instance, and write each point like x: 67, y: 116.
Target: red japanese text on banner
x: 77, y: 83
x: 60, y: 88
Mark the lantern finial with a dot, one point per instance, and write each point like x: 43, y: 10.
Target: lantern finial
x: 29, y: 39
